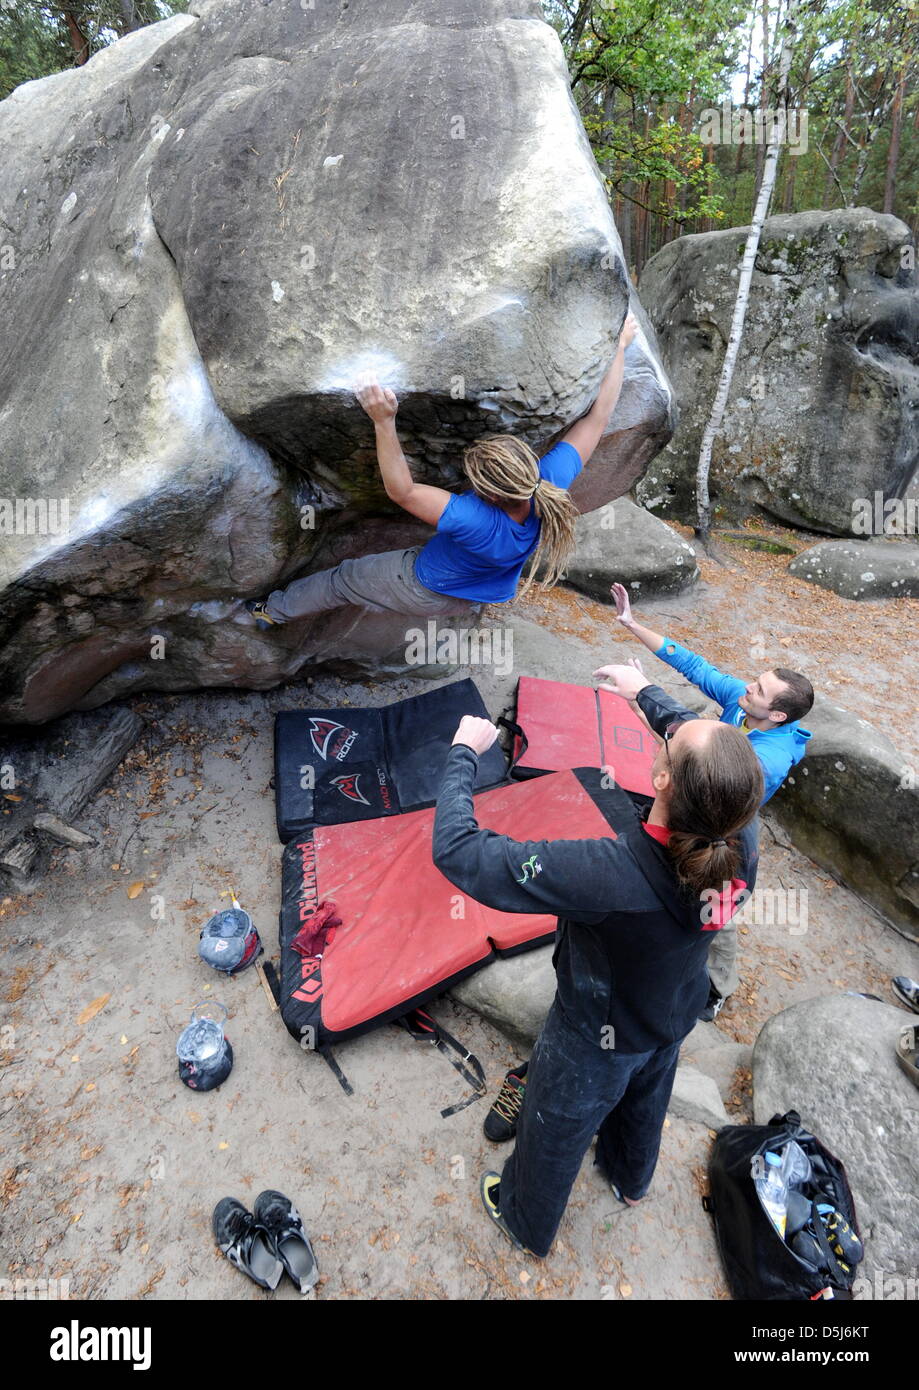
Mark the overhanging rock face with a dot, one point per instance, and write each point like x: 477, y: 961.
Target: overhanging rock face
x: 217, y: 224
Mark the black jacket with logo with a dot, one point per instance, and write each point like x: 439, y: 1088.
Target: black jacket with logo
x: 630, y: 948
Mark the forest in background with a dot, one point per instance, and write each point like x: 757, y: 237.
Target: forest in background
x: 673, y: 99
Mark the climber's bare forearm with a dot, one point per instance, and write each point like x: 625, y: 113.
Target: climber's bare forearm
x: 652, y: 640
x: 397, y: 476
x: 585, y: 433
x: 424, y: 502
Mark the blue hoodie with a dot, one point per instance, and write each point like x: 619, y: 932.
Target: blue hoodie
x: 778, y: 749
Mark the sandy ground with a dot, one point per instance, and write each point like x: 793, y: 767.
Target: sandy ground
x: 111, y: 1167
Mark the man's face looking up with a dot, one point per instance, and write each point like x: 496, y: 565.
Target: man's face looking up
x: 759, y: 697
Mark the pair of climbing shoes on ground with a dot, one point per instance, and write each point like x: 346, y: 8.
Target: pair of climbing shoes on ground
x: 268, y: 1242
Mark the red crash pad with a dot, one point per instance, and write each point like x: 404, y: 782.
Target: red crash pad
x: 580, y: 726
x: 407, y: 933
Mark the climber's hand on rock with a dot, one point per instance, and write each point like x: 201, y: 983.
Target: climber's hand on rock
x: 622, y: 680
x: 623, y: 604
x: 628, y: 331
x: 379, y: 402
x: 477, y: 734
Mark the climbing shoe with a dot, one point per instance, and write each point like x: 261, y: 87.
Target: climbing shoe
x: 907, y: 991
x: 263, y: 619
x: 715, y: 1004
x: 490, y: 1188
x: 289, y: 1240
x: 501, y: 1120
x: 246, y: 1243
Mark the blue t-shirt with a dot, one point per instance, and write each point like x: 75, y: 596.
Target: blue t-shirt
x: 478, y: 552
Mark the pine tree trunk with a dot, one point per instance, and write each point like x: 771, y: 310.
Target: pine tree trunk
x: 78, y: 40
x: 746, y: 92
x: 893, y: 154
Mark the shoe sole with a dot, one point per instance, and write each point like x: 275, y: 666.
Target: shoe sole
x: 904, y: 999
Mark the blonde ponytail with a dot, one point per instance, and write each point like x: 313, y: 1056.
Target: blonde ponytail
x: 503, y: 469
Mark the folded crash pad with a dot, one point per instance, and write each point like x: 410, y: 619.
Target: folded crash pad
x: 567, y: 726
x: 406, y: 933
x: 339, y: 765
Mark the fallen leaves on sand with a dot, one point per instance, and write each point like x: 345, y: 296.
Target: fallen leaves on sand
x: 151, y: 1283
x: 19, y: 984
x: 92, y: 1009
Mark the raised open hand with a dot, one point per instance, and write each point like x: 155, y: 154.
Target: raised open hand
x: 623, y: 604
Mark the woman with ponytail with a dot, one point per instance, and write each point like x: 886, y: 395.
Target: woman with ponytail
x: 518, y: 511
x: 635, y: 917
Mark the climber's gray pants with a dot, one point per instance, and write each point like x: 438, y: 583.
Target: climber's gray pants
x: 722, y: 961
x: 382, y: 583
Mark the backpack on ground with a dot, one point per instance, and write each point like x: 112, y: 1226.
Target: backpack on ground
x: 758, y: 1262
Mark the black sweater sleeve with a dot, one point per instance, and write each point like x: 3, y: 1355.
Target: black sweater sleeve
x: 661, y: 709
x: 570, y: 878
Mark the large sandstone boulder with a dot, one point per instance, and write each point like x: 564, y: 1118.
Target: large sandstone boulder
x: 832, y: 1059
x: 215, y: 225
x: 625, y: 543
x: 861, y: 569
x: 852, y: 805
x: 824, y: 404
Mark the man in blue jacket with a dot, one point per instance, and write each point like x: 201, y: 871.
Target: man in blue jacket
x: 766, y: 708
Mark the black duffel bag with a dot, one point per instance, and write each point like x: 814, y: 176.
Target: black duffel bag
x: 758, y: 1264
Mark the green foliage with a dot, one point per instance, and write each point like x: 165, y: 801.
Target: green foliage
x: 643, y: 71
x: 39, y: 37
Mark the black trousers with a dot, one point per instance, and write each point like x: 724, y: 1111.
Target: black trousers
x: 576, y: 1089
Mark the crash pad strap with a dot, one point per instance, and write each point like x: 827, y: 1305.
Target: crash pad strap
x: 420, y: 1026
x: 521, y: 742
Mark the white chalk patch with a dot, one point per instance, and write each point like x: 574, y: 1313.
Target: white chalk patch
x: 645, y: 348
x: 277, y: 294
x: 94, y: 513
x: 179, y: 134
x: 189, y: 397
x: 369, y: 365
x: 68, y: 204
x: 331, y: 160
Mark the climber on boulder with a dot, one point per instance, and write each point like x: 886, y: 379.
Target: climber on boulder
x: 518, y: 508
